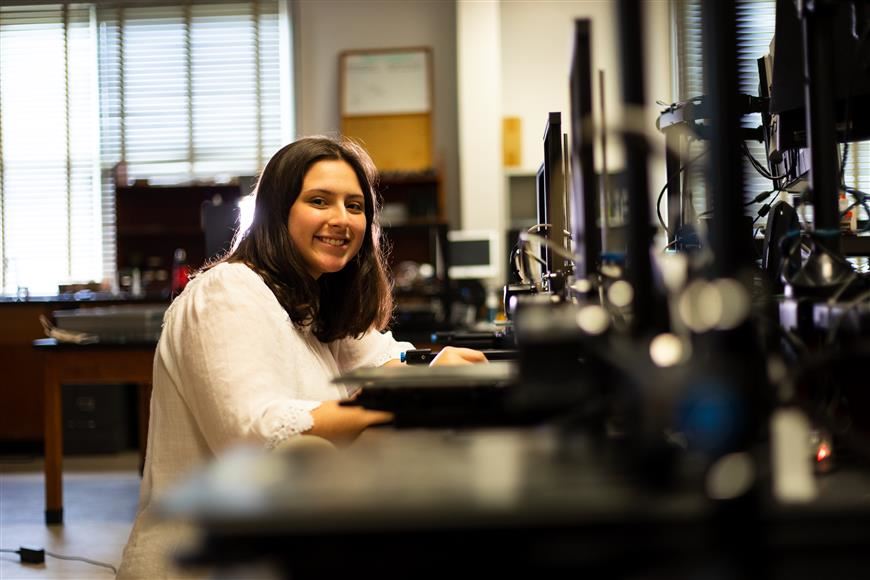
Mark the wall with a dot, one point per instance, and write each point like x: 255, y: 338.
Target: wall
x: 536, y: 41
x: 325, y: 28
x: 480, y: 93
x: 536, y: 58
x: 529, y: 71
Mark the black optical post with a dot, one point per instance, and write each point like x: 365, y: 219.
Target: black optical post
x: 725, y: 167
x: 817, y: 26
x: 586, y: 233
x: 640, y: 231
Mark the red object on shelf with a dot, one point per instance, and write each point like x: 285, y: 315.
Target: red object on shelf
x: 180, y: 271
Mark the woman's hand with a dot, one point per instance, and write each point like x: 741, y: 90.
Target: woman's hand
x: 344, y: 424
x: 453, y: 355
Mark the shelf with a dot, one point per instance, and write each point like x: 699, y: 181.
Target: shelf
x: 401, y: 178
x: 153, y: 221
x: 520, y: 172
x: 415, y: 224
x: 855, y: 245
x: 144, y: 231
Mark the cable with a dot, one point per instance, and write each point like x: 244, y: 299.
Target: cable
x: 758, y: 166
x: 860, y: 199
x: 37, y: 556
x: 669, y: 244
x: 758, y: 198
x: 525, y: 237
x: 667, y: 183
x: 85, y: 560
x: 845, y: 148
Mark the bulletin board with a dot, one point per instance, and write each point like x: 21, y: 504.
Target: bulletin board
x: 386, y: 103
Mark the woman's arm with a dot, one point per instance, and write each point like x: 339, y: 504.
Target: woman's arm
x: 340, y: 424
x: 243, y: 371
x: 454, y: 355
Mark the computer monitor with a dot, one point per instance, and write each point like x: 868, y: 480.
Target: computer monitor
x: 821, y: 91
x: 542, y: 206
x: 474, y: 254
x: 850, y: 81
x: 220, y: 220
x: 552, y: 201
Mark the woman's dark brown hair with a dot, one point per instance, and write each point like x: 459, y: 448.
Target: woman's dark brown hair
x: 337, y: 305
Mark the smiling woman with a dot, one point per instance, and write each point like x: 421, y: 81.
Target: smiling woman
x: 313, y: 196
x: 249, y: 349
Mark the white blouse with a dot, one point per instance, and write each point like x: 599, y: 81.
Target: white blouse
x: 232, y: 367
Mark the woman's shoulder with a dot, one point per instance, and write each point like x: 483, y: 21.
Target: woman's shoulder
x: 233, y: 270
x: 230, y: 275
x: 225, y: 282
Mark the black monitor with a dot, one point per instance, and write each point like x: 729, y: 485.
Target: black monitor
x: 850, y: 74
x: 821, y: 91
x: 541, y: 206
x: 552, y: 200
x: 220, y: 220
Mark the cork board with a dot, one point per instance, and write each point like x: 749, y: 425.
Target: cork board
x: 386, y: 103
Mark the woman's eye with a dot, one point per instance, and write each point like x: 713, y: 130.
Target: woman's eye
x: 357, y: 207
x: 318, y: 201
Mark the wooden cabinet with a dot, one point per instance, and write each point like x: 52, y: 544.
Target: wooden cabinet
x: 21, y: 368
x: 415, y: 230
x: 412, y: 216
x: 152, y: 222
x: 415, y: 197
x: 21, y: 396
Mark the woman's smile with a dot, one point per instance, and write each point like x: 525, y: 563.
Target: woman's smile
x: 335, y: 242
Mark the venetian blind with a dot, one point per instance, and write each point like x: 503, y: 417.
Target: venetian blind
x: 756, y: 24
x: 191, y: 91
x: 50, y: 213
x: 755, y: 28
x: 177, y: 91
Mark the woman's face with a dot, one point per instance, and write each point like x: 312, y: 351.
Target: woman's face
x: 327, y: 222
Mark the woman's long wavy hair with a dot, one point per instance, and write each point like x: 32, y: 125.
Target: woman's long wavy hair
x: 337, y: 305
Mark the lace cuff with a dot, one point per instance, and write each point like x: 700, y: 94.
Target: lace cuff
x: 295, y: 421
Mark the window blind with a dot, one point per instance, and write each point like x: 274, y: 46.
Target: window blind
x: 49, y: 204
x: 192, y: 91
x: 755, y: 28
x: 176, y: 91
x: 756, y: 24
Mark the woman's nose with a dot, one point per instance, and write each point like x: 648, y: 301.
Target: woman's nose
x: 338, y: 216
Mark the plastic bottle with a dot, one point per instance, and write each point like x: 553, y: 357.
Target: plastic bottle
x: 180, y: 271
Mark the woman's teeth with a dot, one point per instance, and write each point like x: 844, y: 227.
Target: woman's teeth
x: 333, y: 241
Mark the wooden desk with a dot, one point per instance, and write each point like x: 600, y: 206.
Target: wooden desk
x: 96, y: 363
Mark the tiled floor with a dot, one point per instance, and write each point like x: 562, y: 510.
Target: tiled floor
x: 100, y: 498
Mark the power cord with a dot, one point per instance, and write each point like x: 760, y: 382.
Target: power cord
x: 756, y: 164
x: 757, y: 199
x: 676, y: 175
x: 860, y: 200
x: 34, y: 556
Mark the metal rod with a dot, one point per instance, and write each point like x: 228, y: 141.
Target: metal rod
x: 604, y: 182
x: 725, y: 166
x: 817, y: 20
x: 640, y: 231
